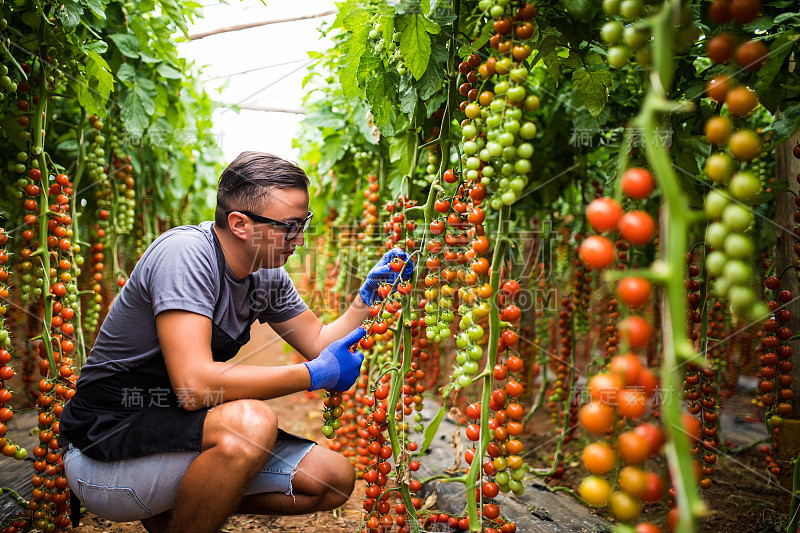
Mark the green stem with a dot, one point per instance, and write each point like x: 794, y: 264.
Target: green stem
x: 677, y: 348
x: 76, y: 180
x: 44, y: 254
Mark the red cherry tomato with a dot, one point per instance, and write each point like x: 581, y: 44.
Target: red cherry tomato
x: 637, y: 183
x: 603, y: 214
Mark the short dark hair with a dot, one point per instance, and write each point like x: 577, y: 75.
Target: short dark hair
x: 246, y: 182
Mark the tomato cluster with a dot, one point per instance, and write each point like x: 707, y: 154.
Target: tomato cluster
x: 606, y: 214
x: 332, y: 413
x: 624, y: 391
x: 499, y: 126
x: 6, y: 372
x: 104, y: 194
x: 625, y: 41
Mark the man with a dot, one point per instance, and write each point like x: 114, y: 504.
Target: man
x: 162, y: 429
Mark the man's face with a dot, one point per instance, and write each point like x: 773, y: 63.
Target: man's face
x: 270, y: 247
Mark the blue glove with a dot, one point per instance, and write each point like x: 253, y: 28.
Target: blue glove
x: 336, y: 368
x: 382, y: 273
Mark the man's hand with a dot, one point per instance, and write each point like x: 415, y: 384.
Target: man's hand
x: 382, y: 273
x: 337, y: 368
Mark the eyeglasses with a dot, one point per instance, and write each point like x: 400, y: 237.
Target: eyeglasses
x: 293, y: 229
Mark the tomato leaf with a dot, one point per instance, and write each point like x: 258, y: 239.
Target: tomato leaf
x: 381, y: 95
x: 127, y: 74
x: 592, y: 88
x: 442, y: 15
x: 778, y: 53
x: 69, y: 13
x: 430, y: 431
x: 415, y: 42
x: 401, y: 151
x: 474, y: 47
x: 128, y: 44
x: 96, y: 6
x: 173, y: 11
x: 168, y: 72
x: 137, y: 105
x: 353, y: 48
x: 101, y: 47
x: 93, y: 92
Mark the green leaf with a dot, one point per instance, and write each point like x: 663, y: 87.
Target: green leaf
x: 592, y: 88
x: 778, y: 52
x: 173, y: 11
x: 93, y: 91
x: 353, y: 48
x: 137, y: 106
x: 101, y: 47
x: 31, y: 19
x: 324, y: 118
x: 442, y: 16
x: 583, y: 10
x: 431, y: 81
x: 146, y: 58
x: 415, y: 42
x: 433, y: 427
x: 787, y: 123
x: 401, y: 150
x: 547, y: 46
x: 128, y: 44
x: 553, y: 65
x: 381, y: 96
x: 435, y: 102
x: 408, y: 101
x: 762, y: 23
x: 161, y: 132
x: 166, y: 71
x: 331, y: 151
x: 69, y: 13
x: 573, y: 60
x: 97, y: 7
x: 787, y: 16
x: 472, y: 48
x: 367, y: 65
x: 127, y: 73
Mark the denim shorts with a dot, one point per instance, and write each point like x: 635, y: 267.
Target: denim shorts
x: 141, y: 487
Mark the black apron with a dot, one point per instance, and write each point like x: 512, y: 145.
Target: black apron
x: 99, y: 422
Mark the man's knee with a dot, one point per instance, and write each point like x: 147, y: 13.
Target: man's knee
x: 340, y: 482
x: 243, y: 428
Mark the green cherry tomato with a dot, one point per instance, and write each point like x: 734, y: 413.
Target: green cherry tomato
x: 737, y: 217
x: 737, y: 246
x: 744, y: 186
x: 617, y: 56
x: 611, y: 32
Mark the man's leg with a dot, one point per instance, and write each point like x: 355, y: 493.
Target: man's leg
x: 324, y: 480
x: 237, y: 439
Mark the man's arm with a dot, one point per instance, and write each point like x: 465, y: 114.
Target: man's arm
x: 306, y: 334
x: 185, y: 339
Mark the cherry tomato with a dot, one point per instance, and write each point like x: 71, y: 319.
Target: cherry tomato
x: 633, y: 291
x: 637, y: 227
x: 637, y: 183
x: 603, y: 214
x: 597, y: 251
x: 599, y: 458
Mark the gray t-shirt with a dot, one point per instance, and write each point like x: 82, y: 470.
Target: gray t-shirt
x: 179, y: 271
